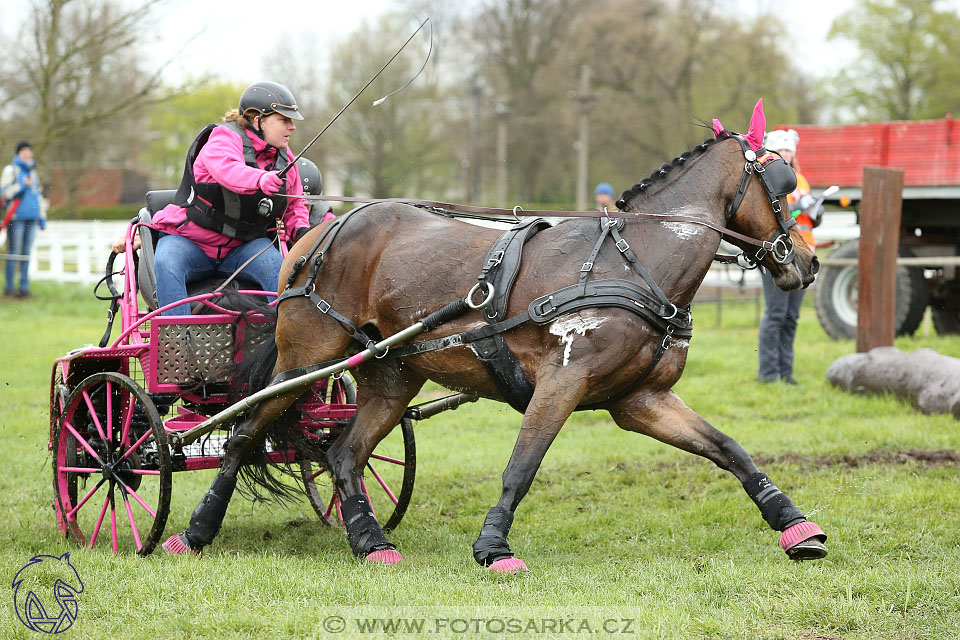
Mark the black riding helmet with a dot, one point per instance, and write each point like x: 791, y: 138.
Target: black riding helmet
x: 269, y: 97
x: 310, y: 177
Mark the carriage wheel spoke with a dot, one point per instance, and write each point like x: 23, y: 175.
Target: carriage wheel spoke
x: 113, y: 521
x: 73, y: 512
x: 93, y: 414
x: 136, y: 445
x: 127, y: 420
x: 133, y: 524
x: 333, y: 501
x: 313, y: 476
x: 115, y: 447
x: 383, y: 483
x: 140, y: 500
x: 388, y: 459
x: 363, y: 487
x: 82, y: 441
x: 109, y: 416
x: 96, y: 529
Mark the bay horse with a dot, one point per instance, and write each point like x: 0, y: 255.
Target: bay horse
x: 392, y: 263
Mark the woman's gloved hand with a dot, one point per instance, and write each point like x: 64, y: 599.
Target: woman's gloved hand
x: 270, y: 183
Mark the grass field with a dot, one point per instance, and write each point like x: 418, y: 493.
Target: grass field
x: 623, y: 535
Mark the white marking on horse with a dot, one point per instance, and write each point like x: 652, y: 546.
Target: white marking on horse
x: 681, y: 344
x: 568, y: 327
x: 685, y: 230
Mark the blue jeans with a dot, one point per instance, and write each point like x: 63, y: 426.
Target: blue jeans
x: 20, y: 234
x: 179, y: 262
x: 778, y: 330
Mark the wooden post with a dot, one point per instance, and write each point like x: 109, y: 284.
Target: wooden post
x: 880, y: 211
x: 503, y: 112
x: 584, y: 97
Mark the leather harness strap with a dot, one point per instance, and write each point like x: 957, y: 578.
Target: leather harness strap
x: 315, y: 255
x: 500, y: 271
x: 628, y: 215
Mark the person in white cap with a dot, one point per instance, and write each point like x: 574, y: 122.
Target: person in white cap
x: 781, y: 313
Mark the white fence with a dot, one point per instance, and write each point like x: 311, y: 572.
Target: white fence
x: 73, y: 251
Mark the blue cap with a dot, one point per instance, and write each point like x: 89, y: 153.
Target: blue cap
x: 604, y: 188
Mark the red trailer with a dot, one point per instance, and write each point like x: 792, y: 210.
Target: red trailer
x: 929, y: 153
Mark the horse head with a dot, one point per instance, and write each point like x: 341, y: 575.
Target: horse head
x: 758, y: 206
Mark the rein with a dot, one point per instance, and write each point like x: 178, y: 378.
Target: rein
x: 516, y: 212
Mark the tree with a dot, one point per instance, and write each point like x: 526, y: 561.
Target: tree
x: 519, y: 42
x: 389, y: 149
x: 660, y: 66
x: 907, y: 67
x: 76, y: 82
x: 175, y: 123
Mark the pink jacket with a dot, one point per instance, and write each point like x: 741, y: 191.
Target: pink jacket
x: 221, y: 161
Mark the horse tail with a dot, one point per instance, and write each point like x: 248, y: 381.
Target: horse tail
x: 260, y: 479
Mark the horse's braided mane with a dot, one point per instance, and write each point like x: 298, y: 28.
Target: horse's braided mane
x: 664, y: 169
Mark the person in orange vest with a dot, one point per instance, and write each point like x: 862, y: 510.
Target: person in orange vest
x: 781, y: 313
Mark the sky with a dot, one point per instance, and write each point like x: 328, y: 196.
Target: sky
x: 331, y: 21
x: 229, y: 27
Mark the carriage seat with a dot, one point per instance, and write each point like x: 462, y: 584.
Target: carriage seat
x: 146, y: 271
x: 146, y: 274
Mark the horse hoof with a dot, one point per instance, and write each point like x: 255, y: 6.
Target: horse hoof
x: 508, y: 565
x: 177, y: 545
x: 804, y: 541
x: 384, y: 556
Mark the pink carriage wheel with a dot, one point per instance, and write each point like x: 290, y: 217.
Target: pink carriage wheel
x: 389, y: 474
x: 111, y: 466
x: 58, y: 395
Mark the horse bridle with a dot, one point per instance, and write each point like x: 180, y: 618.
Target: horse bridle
x: 777, y: 179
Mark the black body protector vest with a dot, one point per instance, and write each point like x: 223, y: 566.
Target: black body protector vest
x: 215, y: 207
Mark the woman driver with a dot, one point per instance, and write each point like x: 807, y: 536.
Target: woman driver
x: 231, y: 197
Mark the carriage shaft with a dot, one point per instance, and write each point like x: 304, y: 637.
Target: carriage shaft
x: 298, y: 384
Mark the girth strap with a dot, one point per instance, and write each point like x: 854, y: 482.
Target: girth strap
x: 612, y: 293
x: 500, y: 270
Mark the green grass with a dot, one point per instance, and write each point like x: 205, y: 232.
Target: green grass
x: 616, y: 526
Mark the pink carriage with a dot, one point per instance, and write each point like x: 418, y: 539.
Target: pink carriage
x: 121, y: 413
